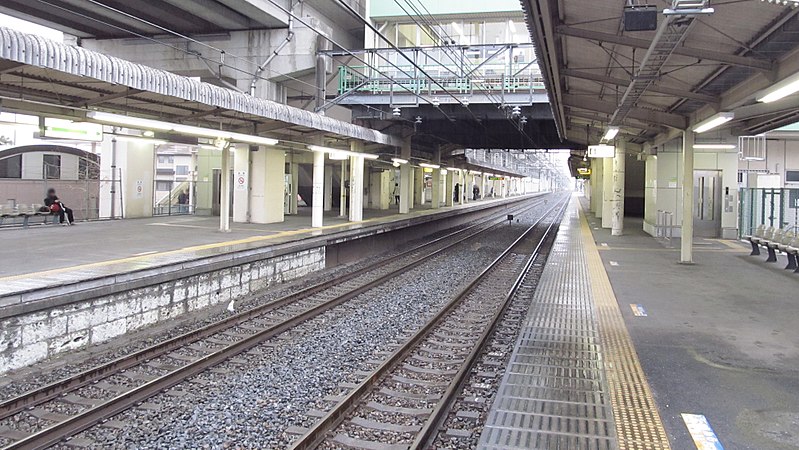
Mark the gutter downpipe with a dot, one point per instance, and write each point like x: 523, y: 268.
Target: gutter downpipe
x: 280, y: 47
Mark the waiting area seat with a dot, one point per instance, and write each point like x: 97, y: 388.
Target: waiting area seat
x: 776, y: 240
x: 22, y: 214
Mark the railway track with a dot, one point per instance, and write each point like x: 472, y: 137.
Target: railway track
x: 402, y: 403
x: 95, y: 395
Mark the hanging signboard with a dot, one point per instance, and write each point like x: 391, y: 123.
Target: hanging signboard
x: 601, y: 151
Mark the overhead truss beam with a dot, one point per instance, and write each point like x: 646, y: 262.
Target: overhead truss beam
x: 702, y: 54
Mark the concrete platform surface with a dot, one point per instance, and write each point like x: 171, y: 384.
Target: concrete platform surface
x: 719, y: 339
x: 45, y: 255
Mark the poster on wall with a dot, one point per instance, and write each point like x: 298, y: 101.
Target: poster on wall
x: 241, y: 180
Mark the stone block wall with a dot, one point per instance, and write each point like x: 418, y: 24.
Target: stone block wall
x: 31, y: 337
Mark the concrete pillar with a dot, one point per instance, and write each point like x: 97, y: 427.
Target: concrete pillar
x: 607, y: 192
x: 224, y: 190
x: 617, y: 201
x: 600, y: 187
x: 406, y: 179
x: 687, y: 231
x: 483, y: 192
x: 418, y: 186
x: 318, y: 200
x: 328, y: 188
x: 356, y: 185
x: 294, y: 169
x: 267, y: 185
x: 241, y: 190
x: 450, y: 188
x: 436, y: 190
x: 343, y: 191
x: 462, y: 181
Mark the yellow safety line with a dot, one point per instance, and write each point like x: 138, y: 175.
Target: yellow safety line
x: 638, y: 423
x: 179, y: 251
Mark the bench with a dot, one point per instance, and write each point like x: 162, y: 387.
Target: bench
x: 776, y: 240
x: 13, y: 214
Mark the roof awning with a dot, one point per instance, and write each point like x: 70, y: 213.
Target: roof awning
x: 46, y: 77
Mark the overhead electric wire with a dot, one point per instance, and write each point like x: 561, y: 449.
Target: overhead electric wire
x: 205, y: 59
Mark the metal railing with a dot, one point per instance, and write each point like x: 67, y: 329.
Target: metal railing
x: 664, y: 226
x: 496, y: 68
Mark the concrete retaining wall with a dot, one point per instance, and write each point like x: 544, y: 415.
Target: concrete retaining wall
x: 31, y: 337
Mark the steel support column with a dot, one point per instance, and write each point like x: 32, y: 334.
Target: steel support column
x: 687, y: 231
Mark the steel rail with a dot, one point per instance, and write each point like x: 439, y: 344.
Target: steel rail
x: 98, y: 413
x: 430, y: 429
x: 316, y: 434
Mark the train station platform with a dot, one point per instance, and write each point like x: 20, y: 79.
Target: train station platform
x: 625, y: 348
x: 72, y: 287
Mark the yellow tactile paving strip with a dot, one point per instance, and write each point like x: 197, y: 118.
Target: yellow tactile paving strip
x: 638, y: 423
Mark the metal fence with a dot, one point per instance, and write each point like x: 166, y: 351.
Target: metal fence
x: 777, y: 208
x: 82, y: 196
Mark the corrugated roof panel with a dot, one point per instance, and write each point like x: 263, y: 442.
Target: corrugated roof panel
x: 40, y: 52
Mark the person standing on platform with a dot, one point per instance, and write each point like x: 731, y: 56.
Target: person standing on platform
x: 396, y: 194
x: 457, y: 195
x: 475, y: 192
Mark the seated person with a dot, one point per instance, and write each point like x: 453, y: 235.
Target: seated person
x: 57, y: 207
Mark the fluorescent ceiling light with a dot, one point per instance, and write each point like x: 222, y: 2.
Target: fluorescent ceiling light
x: 429, y: 166
x: 716, y: 146
x: 713, y: 122
x: 780, y: 90
x: 144, y: 140
x: 611, y: 133
x: 149, y: 124
x: 453, y: 169
x: 336, y: 153
x: 400, y: 160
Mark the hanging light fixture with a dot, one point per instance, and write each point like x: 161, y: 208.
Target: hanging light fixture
x: 396, y: 112
x: 418, y: 120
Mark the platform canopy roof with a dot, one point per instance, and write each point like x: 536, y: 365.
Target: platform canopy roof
x: 105, y: 19
x: 45, y: 77
x: 652, y: 84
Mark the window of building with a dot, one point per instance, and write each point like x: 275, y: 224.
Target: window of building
x: 163, y: 185
x: 11, y: 167
x: 182, y: 170
x: 51, y: 167
x: 166, y: 159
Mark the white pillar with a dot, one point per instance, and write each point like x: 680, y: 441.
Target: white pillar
x: 317, y: 209
x: 617, y: 199
x: 328, y: 188
x: 356, y: 185
x: 267, y: 185
x: 607, y: 192
x: 295, y: 184
x: 343, y: 191
x: 687, y: 232
x: 406, y: 179
x: 224, y: 192
x: 418, y: 186
x: 435, y: 195
x: 241, y: 190
x: 449, y: 188
x: 483, y: 186
x: 462, y: 181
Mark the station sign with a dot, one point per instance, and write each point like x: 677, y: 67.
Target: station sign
x: 601, y: 151
x: 496, y: 178
x: 586, y: 171
x: 78, y: 131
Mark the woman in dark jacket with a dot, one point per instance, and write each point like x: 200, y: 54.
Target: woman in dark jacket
x: 57, y: 207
